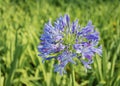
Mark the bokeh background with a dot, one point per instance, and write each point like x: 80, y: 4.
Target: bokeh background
x: 21, y: 24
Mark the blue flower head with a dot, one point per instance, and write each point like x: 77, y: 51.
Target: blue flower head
x: 65, y: 41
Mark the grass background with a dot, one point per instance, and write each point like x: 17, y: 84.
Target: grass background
x: 21, y: 24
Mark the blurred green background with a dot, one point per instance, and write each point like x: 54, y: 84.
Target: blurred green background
x: 21, y: 24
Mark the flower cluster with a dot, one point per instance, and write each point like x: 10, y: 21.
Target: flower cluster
x: 65, y: 41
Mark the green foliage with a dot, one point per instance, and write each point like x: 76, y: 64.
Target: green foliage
x: 21, y: 24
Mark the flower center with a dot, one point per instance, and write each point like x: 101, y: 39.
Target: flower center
x: 69, y: 40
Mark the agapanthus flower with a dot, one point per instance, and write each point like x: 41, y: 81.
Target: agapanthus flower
x: 64, y: 41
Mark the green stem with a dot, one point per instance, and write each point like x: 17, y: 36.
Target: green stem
x: 72, y: 76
